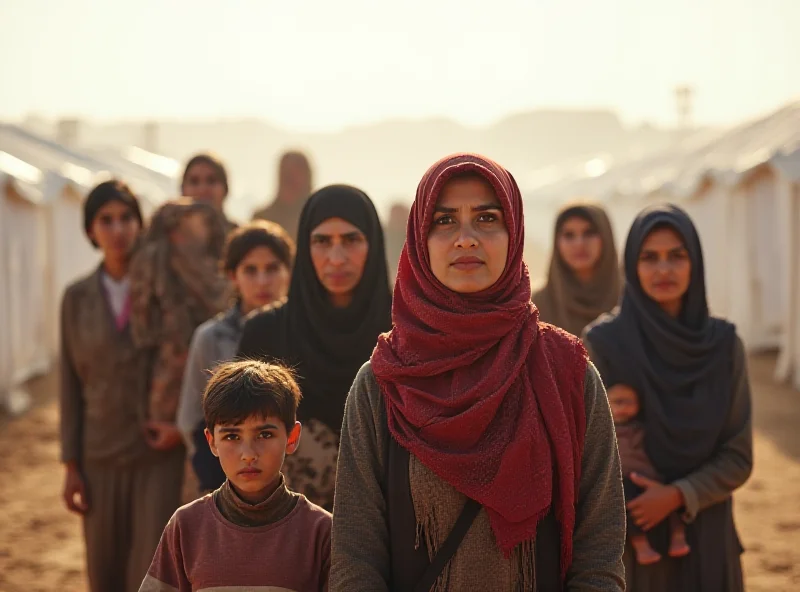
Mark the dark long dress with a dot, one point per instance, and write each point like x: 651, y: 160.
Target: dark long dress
x: 690, y: 372
x: 709, y: 504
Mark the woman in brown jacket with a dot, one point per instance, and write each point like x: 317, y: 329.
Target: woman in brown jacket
x: 124, y: 489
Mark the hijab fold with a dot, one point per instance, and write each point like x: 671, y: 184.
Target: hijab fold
x: 482, y: 394
x: 566, y: 302
x: 328, y: 345
x: 680, y: 367
x: 176, y: 287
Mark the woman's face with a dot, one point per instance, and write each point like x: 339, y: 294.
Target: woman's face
x: 260, y: 279
x: 339, y: 253
x: 664, y: 269
x: 579, y: 245
x: 115, y: 229
x: 468, y: 239
x: 204, y: 184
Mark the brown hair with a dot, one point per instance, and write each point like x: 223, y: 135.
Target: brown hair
x: 576, y: 211
x: 212, y: 161
x: 260, y: 233
x: 242, y: 389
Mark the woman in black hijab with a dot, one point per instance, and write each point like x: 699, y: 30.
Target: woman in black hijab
x: 689, y: 372
x: 339, y: 302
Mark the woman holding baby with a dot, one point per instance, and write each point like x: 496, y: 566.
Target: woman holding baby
x: 678, y: 386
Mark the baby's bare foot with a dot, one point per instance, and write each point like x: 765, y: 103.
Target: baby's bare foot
x: 645, y: 554
x: 678, y: 547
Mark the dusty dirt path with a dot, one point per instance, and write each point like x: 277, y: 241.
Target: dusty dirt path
x: 767, y: 507
x: 41, y: 549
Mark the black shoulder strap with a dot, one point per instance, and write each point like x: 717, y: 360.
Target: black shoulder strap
x: 450, y: 546
x: 412, y: 571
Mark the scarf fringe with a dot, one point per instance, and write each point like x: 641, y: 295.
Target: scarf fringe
x: 524, y: 556
x: 429, y: 530
x: 528, y: 535
x: 524, y: 553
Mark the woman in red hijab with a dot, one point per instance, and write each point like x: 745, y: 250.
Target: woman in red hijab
x: 478, y: 449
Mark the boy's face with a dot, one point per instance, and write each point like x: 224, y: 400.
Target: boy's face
x: 624, y: 403
x: 251, y: 453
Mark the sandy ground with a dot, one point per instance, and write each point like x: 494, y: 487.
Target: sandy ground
x: 41, y: 547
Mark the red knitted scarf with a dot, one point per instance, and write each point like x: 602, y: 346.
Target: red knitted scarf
x: 484, y: 395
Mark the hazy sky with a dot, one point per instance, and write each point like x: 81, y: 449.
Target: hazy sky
x: 329, y: 63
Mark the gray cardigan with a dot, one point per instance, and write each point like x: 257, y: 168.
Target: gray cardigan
x: 360, y: 555
x: 213, y: 342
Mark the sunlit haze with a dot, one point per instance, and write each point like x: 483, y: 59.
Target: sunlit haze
x: 323, y: 65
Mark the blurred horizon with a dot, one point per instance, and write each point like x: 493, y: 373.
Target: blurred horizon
x: 374, y: 93
x: 314, y: 67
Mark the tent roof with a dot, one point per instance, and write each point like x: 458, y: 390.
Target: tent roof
x: 24, y: 178
x: 680, y: 171
x: 83, y: 168
x: 789, y: 164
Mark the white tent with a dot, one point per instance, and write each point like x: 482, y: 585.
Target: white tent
x: 24, y: 347
x: 151, y: 176
x: 43, y: 248
x: 70, y: 252
x: 757, y: 257
x: 709, y: 207
x: 738, y: 188
x: 786, y: 170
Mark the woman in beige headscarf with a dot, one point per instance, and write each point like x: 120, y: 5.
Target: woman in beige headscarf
x: 583, y: 281
x: 176, y: 285
x: 294, y: 187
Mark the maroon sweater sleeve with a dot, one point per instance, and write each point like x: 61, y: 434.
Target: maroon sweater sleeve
x: 166, y: 573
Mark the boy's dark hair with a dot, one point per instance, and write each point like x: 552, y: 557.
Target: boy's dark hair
x: 104, y: 193
x: 241, y: 389
x: 260, y: 233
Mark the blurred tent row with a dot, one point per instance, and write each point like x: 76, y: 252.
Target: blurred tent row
x: 742, y: 188
x: 42, y: 246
